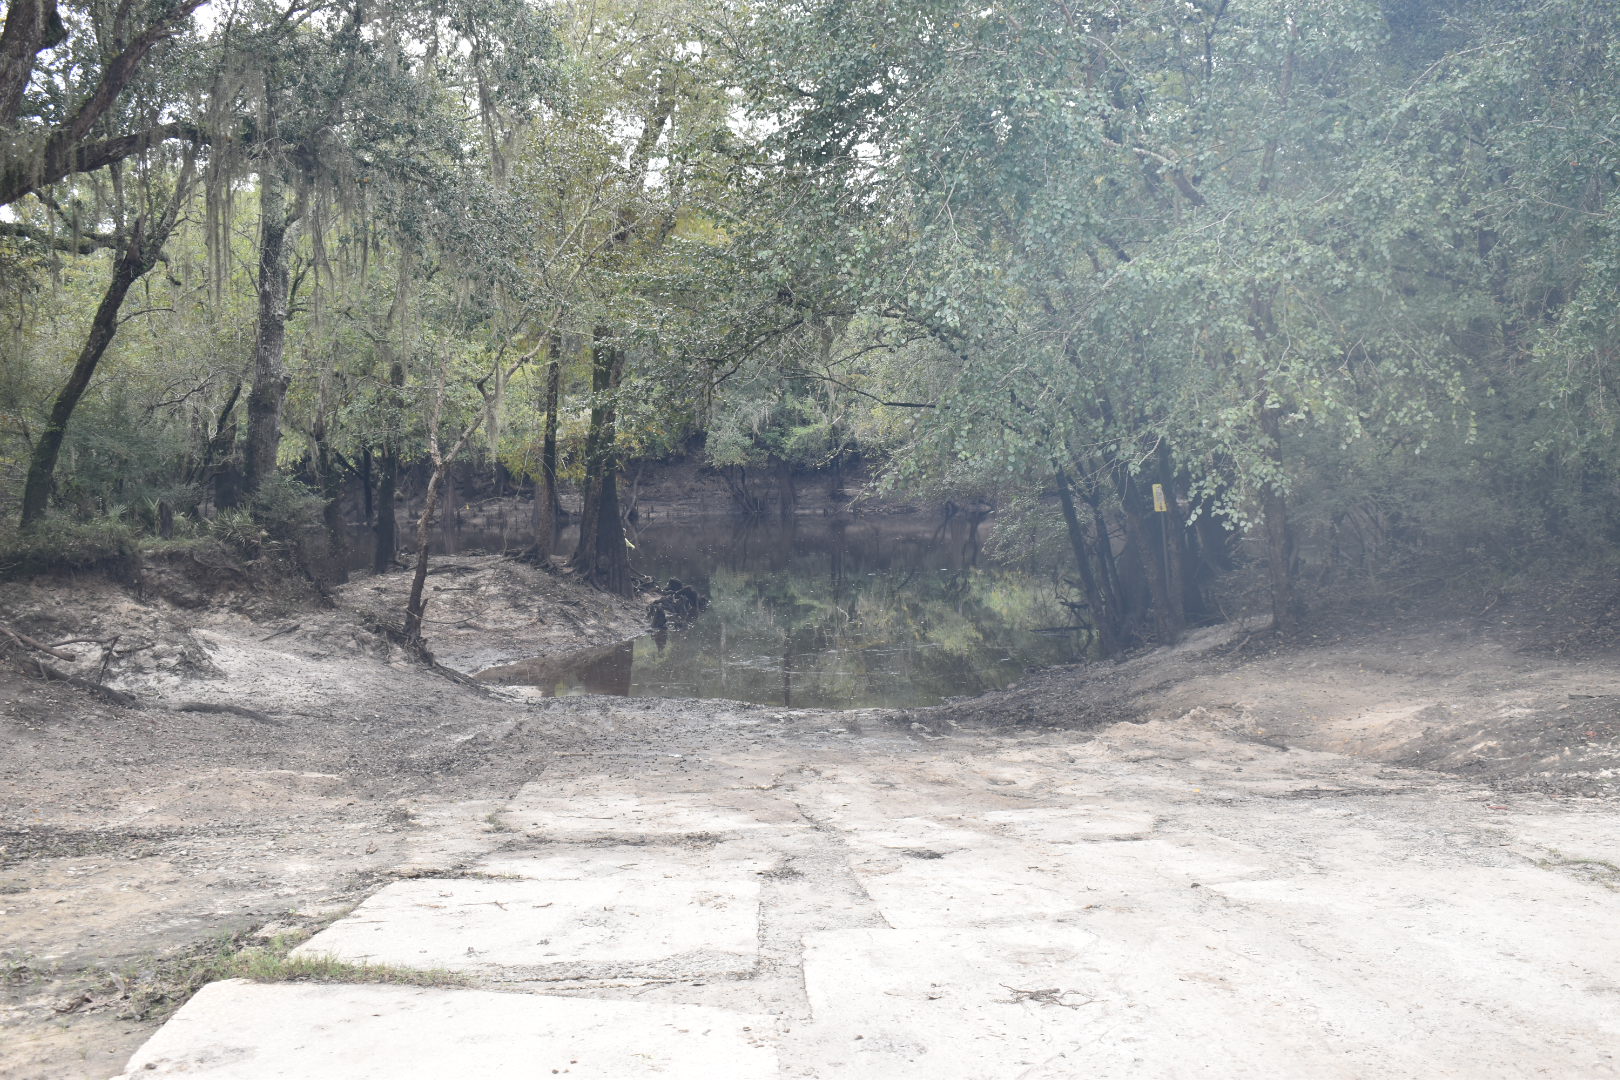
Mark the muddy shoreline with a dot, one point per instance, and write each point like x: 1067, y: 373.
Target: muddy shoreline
x: 328, y: 761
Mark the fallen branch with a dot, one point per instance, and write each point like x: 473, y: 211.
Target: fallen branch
x: 82, y: 641
x: 106, y: 693
x: 38, y: 646
x: 108, y: 651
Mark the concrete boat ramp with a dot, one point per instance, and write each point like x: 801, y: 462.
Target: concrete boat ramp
x: 1158, y: 900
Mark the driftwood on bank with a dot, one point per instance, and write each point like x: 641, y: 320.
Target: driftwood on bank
x: 28, y: 663
x: 29, y: 643
x: 40, y: 669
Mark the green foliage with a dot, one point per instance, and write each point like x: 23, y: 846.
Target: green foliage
x: 1357, y: 262
x: 1285, y: 243
x: 289, y: 516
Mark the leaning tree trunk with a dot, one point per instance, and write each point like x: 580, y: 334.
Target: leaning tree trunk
x: 269, y: 370
x: 138, y: 257
x: 414, y: 604
x: 545, y: 495
x: 31, y: 27
x: 602, y: 557
x: 441, y: 463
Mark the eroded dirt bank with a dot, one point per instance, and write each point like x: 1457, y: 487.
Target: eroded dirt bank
x: 337, y: 764
x: 284, y: 757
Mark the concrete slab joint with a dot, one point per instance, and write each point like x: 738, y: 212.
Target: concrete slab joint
x: 239, y: 1030
x: 618, y: 927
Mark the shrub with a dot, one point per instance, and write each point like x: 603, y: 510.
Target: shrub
x: 60, y: 544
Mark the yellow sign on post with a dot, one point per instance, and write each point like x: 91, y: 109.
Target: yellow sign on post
x: 1159, y: 505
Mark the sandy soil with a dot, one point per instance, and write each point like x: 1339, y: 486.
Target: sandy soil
x: 128, y: 835
x: 1482, y: 701
x: 285, y: 757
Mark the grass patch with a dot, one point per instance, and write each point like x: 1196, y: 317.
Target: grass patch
x: 153, y: 994
x: 1593, y: 871
x: 21, y: 971
x: 271, y: 963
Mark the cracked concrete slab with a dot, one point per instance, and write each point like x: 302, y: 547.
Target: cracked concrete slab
x: 925, y: 874
x: 1120, y: 994
x: 239, y: 1030
x: 609, y: 808
x: 993, y: 883
x: 1160, y: 902
x: 641, y: 862
x: 941, y: 1004
x: 630, y: 925
x: 920, y: 834
x: 1075, y: 824
x: 445, y: 835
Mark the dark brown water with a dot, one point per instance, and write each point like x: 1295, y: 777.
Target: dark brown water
x: 829, y: 614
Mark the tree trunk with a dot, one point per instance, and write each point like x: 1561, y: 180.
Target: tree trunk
x: 1279, y: 561
x: 1146, y: 534
x: 31, y: 27
x: 269, y: 371
x: 138, y: 256
x: 1101, y: 618
x: 441, y: 464
x: 1285, y: 607
x: 330, y: 478
x: 212, y: 461
x: 394, y: 398
x: 387, y: 524
x: 545, y: 491
x: 365, y: 483
x: 388, y: 471
x: 591, y: 490
x: 1173, y: 540
x: 602, y: 557
x: 1108, y: 579
x: 414, y: 605
x: 787, y: 491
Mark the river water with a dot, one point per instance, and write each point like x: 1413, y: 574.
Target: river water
x: 825, y: 613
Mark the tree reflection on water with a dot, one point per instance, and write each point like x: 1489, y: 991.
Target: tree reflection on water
x: 826, y: 614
